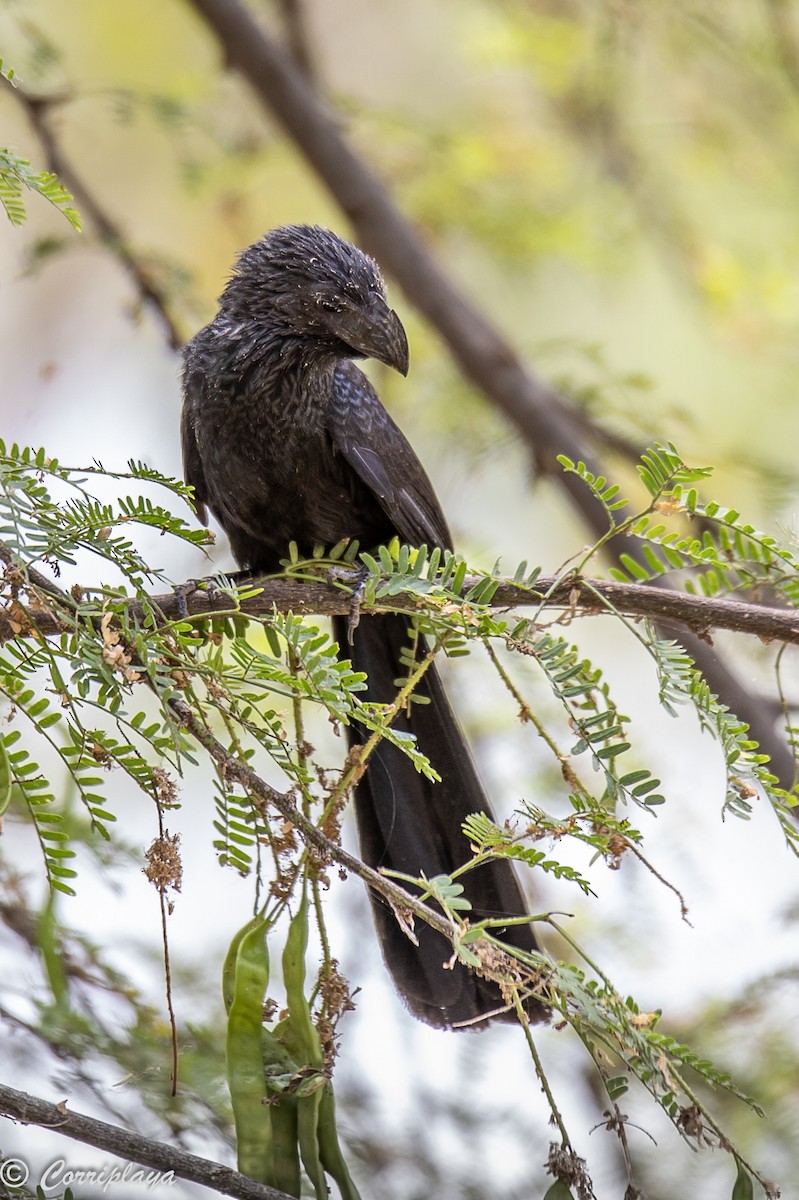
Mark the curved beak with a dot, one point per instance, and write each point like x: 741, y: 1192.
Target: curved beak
x: 378, y: 333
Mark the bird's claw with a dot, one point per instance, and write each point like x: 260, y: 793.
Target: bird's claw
x: 209, y: 585
x: 182, y: 591
x: 356, y: 578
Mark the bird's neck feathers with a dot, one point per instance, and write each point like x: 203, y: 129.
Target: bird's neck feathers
x: 272, y: 363
x: 276, y: 350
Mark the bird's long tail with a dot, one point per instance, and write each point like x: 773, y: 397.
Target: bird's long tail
x: 411, y: 824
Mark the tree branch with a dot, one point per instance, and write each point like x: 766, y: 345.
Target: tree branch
x: 132, y: 1147
x: 295, y: 20
x: 580, y: 597
x: 38, y: 109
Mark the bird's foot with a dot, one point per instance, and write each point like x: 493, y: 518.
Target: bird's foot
x: 182, y: 591
x: 210, y: 585
x: 356, y: 578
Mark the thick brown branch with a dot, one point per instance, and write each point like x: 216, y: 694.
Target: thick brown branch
x: 132, y: 1147
x: 580, y: 597
x: 295, y: 20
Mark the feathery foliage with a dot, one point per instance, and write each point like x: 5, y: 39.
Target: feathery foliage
x: 106, y: 697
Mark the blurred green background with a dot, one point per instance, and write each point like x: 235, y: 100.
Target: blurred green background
x: 616, y: 184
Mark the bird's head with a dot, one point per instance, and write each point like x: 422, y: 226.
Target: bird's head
x: 307, y: 282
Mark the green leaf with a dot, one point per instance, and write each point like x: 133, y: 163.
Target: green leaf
x: 6, y: 777
x: 617, y: 1086
x: 558, y: 1191
x: 303, y: 1039
x: 448, y: 892
x: 329, y: 1149
x: 743, y: 1188
x: 247, y: 981
x: 15, y: 173
x: 634, y: 568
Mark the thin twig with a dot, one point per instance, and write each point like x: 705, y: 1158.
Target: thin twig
x: 38, y: 109
x: 557, y: 1117
x: 235, y: 770
x: 132, y: 1147
x: 164, y: 905
x: 631, y: 846
x: 526, y: 714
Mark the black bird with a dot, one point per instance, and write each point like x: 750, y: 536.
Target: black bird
x: 285, y: 439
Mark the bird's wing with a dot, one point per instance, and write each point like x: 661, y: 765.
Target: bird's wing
x: 192, y: 463
x: 380, y: 454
